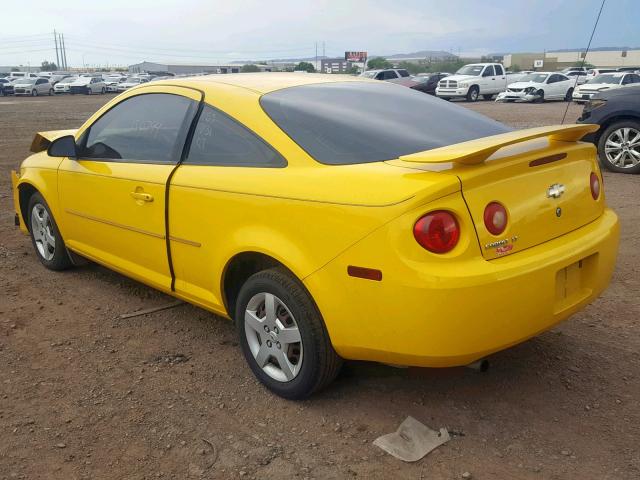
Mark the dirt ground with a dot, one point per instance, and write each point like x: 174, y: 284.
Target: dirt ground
x: 85, y: 395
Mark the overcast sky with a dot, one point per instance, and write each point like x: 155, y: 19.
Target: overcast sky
x: 207, y: 31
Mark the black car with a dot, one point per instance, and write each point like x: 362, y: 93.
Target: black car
x: 617, y: 111
x: 5, y: 87
x: 428, y: 83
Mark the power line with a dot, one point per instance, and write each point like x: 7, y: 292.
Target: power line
x: 584, y: 59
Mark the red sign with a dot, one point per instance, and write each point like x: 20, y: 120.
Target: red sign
x: 355, y: 56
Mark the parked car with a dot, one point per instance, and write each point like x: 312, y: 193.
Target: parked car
x: 57, y: 77
x: 130, y: 82
x: 88, y: 85
x: 538, y: 87
x: 578, y: 77
x: 112, y: 83
x: 32, y: 87
x: 64, y: 85
x: 4, y: 82
x: 606, y: 81
x: 389, y: 74
x: 426, y: 83
x: 428, y: 255
x: 629, y: 69
x: 473, y: 80
x: 617, y: 112
x: 22, y: 75
x: 594, y: 72
x: 574, y: 69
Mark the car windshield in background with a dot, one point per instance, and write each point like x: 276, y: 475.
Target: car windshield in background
x: 534, y: 77
x: 474, y: 70
x: 368, y: 74
x: 613, y: 78
x: 68, y: 80
x: 26, y: 81
x: 132, y: 80
x: 357, y: 122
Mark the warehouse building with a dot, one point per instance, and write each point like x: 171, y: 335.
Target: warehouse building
x: 334, y: 65
x: 561, y: 59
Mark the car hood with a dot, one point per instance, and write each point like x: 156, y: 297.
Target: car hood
x: 633, y: 91
x: 23, y: 85
x: 524, y: 84
x: 459, y: 78
x: 598, y: 86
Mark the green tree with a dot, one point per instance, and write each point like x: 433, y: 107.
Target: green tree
x: 413, y: 68
x: 305, y: 67
x: 352, y: 70
x: 585, y: 65
x: 249, y: 68
x: 46, y: 66
x: 378, y: 63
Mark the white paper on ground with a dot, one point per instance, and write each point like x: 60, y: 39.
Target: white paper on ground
x: 412, y: 440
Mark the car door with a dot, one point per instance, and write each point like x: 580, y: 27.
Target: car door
x: 501, y: 78
x: 113, y: 193
x: 223, y: 156
x: 488, y: 81
x: 41, y: 86
x: 551, y: 87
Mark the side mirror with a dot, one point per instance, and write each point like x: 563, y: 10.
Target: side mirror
x: 63, y: 147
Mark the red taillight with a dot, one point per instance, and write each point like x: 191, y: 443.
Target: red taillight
x: 495, y: 218
x: 594, y: 181
x: 437, y: 231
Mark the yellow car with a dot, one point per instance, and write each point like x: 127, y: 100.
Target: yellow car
x: 331, y: 217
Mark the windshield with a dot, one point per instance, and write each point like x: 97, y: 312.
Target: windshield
x: 132, y: 80
x: 359, y: 122
x: 535, y: 77
x: 368, y: 74
x: 68, y: 80
x: 474, y: 70
x: 26, y: 81
x: 611, y: 78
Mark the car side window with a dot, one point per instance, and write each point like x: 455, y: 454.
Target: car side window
x: 220, y: 140
x: 147, y: 128
x: 552, y: 79
x: 390, y: 74
x: 499, y: 70
x: 40, y: 81
x: 488, y: 71
x: 403, y: 73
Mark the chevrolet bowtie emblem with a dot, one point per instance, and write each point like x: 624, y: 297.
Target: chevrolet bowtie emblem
x: 555, y: 191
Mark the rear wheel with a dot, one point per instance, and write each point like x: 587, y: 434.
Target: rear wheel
x: 619, y: 147
x: 473, y: 93
x: 282, y: 335
x: 45, y: 235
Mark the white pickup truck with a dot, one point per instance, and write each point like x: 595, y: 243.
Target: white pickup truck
x: 473, y: 80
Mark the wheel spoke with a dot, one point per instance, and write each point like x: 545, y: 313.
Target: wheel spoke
x: 51, y: 240
x: 263, y: 355
x: 252, y: 320
x: 625, y: 134
x: 289, y: 335
x: 285, y: 365
x: 635, y: 139
x: 611, y: 144
x: 270, y: 309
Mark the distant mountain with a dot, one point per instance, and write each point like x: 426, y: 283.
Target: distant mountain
x: 595, y: 49
x: 434, y: 54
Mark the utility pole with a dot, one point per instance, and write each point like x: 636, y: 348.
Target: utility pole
x: 315, y: 65
x: 64, y: 52
x: 55, y: 39
x: 323, y: 50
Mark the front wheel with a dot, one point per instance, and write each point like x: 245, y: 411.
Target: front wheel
x: 539, y: 97
x: 282, y: 335
x: 50, y: 91
x: 45, y: 235
x: 102, y: 92
x: 473, y: 93
x: 619, y: 147
x: 34, y: 93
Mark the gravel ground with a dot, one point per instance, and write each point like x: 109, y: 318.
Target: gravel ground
x: 88, y: 396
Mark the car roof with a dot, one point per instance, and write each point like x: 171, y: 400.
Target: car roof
x: 259, y: 83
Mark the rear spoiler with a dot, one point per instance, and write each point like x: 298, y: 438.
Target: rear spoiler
x: 477, y: 151
x: 42, y: 140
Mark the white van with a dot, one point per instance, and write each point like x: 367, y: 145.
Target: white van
x: 22, y: 75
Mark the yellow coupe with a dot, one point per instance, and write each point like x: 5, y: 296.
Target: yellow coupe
x: 331, y: 217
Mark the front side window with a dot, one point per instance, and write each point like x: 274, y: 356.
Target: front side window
x: 358, y: 122
x: 220, y: 140
x: 488, y: 72
x: 148, y: 128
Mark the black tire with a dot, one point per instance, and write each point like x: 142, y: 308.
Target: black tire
x: 60, y: 259
x: 50, y: 91
x: 610, y: 132
x: 569, y: 95
x: 473, y: 93
x: 102, y: 92
x: 487, y: 97
x: 34, y: 93
x: 540, y: 98
x: 320, y: 362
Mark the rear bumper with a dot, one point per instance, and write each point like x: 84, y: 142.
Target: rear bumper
x: 452, y: 313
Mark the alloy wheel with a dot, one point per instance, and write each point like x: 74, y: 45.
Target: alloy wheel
x: 42, y: 230
x: 273, y: 337
x: 622, y: 147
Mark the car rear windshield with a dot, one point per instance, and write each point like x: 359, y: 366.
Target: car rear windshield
x: 359, y: 122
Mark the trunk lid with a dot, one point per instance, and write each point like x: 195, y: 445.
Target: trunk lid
x: 540, y: 176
